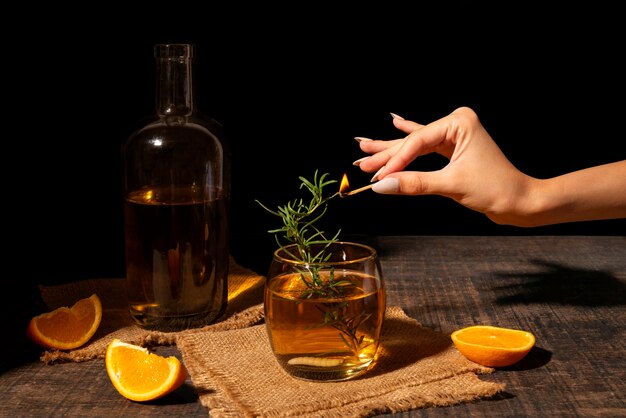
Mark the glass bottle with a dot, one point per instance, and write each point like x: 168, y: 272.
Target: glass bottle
x: 176, y: 209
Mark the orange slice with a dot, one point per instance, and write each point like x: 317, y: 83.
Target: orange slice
x: 493, y: 346
x: 67, y: 328
x: 140, y: 375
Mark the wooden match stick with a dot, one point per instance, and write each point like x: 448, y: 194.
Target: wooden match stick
x: 359, y: 190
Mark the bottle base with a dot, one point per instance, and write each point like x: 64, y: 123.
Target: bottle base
x: 173, y: 323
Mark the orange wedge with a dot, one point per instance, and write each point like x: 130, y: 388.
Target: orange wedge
x: 67, y: 328
x: 493, y: 346
x: 140, y: 375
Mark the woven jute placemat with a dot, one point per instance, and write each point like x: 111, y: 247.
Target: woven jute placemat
x: 416, y: 368
x: 236, y: 375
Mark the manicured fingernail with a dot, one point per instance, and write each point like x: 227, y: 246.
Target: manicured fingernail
x: 375, y: 178
x: 393, y: 115
x: 387, y: 186
x: 360, y: 160
x: 361, y: 138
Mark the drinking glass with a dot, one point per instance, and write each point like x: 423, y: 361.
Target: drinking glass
x: 324, y: 318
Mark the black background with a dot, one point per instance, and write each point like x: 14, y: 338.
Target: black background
x: 292, y: 86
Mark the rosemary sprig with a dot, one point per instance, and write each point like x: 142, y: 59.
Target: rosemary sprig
x: 299, y: 227
x: 299, y: 220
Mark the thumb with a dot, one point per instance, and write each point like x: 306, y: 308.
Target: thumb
x: 411, y: 183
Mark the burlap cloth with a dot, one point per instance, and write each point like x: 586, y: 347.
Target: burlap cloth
x: 236, y: 375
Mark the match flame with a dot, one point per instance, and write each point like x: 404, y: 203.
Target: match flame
x: 345, y: 186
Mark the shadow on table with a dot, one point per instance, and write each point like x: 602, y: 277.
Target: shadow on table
x: 562, y: 285
x: 16, y: 310
x: 537, y: 357
x: 183, y: 395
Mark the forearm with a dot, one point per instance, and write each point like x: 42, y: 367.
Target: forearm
x: 590, y: 194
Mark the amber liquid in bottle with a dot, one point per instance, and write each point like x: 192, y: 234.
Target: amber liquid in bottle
x: 176, y: 208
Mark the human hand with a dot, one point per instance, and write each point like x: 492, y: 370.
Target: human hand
x: 478, y: 175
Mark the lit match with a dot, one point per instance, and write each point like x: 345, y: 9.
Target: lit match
x: 359, y: 190
x: 345, y: 185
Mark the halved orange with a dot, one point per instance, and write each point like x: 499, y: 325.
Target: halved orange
x: 140, y: 375
x: 493, y: 346
x: 66, y: 328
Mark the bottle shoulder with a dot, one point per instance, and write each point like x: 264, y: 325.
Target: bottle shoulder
x: 173, y: 122
x: 191, y: 129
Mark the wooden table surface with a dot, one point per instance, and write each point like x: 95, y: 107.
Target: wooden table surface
x: 569, y: 291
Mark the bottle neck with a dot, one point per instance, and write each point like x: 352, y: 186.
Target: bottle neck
x: 174, y: 93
